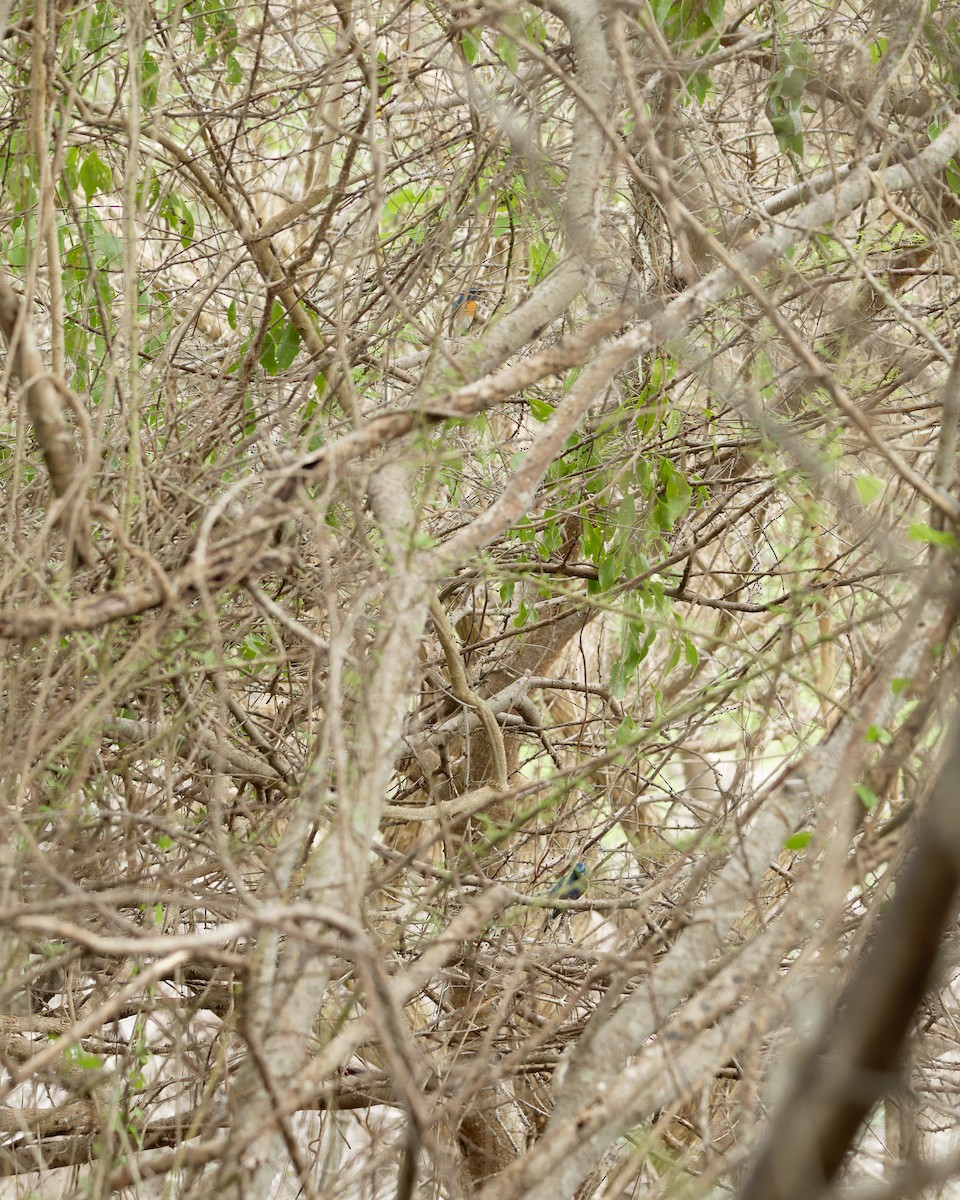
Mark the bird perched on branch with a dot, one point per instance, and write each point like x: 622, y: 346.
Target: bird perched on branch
x: 570, y: 887
x: 463, y: 311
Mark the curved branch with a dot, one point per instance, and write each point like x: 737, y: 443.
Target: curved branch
x: 42, y: 392
x: 466, y: 695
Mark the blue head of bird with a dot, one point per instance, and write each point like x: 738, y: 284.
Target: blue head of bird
x: 570, y: 886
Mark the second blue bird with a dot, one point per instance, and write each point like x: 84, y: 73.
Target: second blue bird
x: 570, y: 887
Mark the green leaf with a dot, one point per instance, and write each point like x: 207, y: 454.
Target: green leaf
x: 187, y: 225
x: 288, y: 346
x: 788, y: 129
x: 798, y: 841
x: 679, y: 495
x: 626, y: 519
x: 268, y: 354
x: 71, y: 167
x: 542, y: 259
x: 868, y: 798
x: 714, y: 12
x: 109, y: 248
x: 793, y: 83
x: 591, y: 538
x: 879, y: 736
x: 626, y: 732
x: 178, y: 215
x: 95, y: 176
x: 797, y: 53
x: 550, y: 540
x: 608, y: 571
x: 76, y: 1056
x: 16, y: 252
x: 878, y: 49
x: 921, y: 532
x: 509, y: 54
x: 700, y: 86
x: 164, y: 842
x: 635, y: 642
x: 524, y: 614
x: 675, y: 496
x: 869, y: 487
x: 384, y: 76
x: 149, y: 79
x: 470, y: 44
x: 101, y: 30
x: 661, y: 10
x: 540, y: 409
x: 406, y: 199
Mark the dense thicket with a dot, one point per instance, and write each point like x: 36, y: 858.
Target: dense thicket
x: 444, y: 444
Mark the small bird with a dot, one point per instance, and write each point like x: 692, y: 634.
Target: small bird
x: 570, y: 887
x: 463, y: 311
